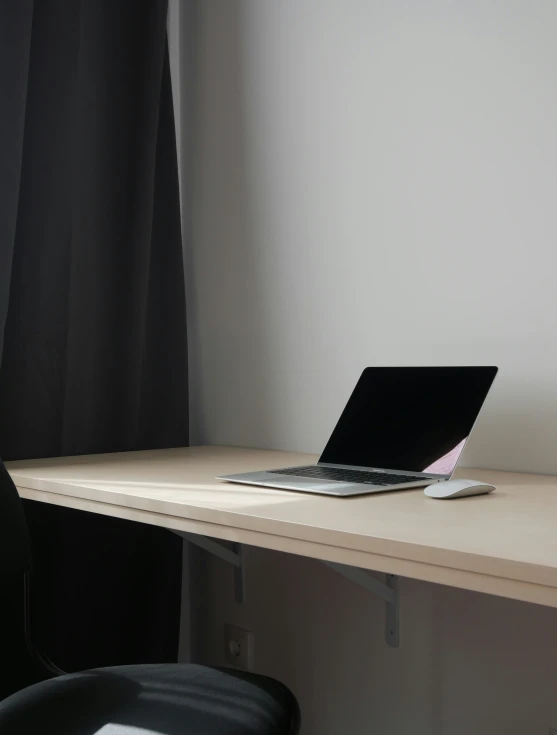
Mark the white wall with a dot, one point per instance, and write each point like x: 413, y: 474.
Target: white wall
x: 374, y: 183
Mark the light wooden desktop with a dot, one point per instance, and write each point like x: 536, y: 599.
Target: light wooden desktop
x: 504, y: 543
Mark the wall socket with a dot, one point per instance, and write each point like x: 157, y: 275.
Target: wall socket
x: 238, y: 647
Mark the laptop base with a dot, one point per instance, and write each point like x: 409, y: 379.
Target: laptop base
x: 318, y: 487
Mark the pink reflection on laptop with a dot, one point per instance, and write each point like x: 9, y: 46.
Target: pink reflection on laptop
x: 446, y: 464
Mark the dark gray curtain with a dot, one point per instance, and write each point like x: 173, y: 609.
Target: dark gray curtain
x: 92, y: 307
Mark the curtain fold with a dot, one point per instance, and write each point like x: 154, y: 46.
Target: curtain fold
x: 92, y: 307
x: 95, y: 332
x: 15, y: 45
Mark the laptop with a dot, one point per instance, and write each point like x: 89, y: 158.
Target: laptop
x: 403, y: 427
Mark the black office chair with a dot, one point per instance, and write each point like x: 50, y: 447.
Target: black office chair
x: 165, y: 699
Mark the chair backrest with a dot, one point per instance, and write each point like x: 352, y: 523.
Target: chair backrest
x: 15, y: 550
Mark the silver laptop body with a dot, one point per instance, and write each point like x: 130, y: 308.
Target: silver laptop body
x: 402, y: 428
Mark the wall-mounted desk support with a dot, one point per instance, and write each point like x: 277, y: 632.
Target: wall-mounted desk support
x: 232, y: 556
x: 387, y: 592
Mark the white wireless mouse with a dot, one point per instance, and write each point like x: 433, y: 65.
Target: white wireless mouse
x: 458, y: 489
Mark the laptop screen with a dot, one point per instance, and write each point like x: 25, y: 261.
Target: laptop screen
x: 414, y: 419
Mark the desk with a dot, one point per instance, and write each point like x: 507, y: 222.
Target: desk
x: 503, y: 544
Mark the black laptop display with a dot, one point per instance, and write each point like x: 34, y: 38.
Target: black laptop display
x: 403, y: 427
x: 411, y: 419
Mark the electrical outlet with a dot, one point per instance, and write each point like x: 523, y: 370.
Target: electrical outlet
x: 238, y: 647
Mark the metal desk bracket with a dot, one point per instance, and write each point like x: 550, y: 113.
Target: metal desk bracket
x: 232, y: 556
x: 387, y: 592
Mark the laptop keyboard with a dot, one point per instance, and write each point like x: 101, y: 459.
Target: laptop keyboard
x: 333, y: 473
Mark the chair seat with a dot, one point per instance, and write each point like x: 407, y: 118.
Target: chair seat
x: 165, y: 699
